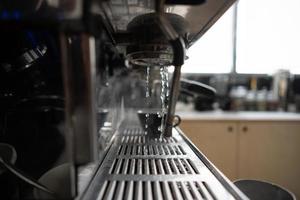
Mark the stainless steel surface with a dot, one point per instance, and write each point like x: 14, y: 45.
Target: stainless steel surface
x: 137, y: 167
x: 200, y: 17
x: 172, y: 101
x: 79, y: 81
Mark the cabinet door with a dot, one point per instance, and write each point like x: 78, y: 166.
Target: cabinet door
x: 270, y: 151
x: 218, y: 142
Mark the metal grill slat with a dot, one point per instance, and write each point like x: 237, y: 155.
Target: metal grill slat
x: 186, y: 191
x: 166, y: 190
x: 139, y: 167
x: 129, y: 190
x: 153, y: 167
x: 147, y: 168
x: 173, y: 166
x: 157, y: 190
x: 166, y: 166
x: 155, y: 150
x: 143, y: 139
x: 160, y: 167
x: 177, y: 150
x: 110, y: 191
x: 148, y: 192
x: 180, y: 166
x: 205, y: 192
x: 171, y: 150
x: 136, y: 139
x: 127, y: 138
x: 195, y: 192
x: 193, y: 166
x: 160, y: 150
x: 132, y: 166
x: 138, y: 150
x: 102, y: 190
x: 138, y: 190
x: 120, y: 150
x: 207, y: 188
x: 112, y: 169
x: 165, y: 150
x: 175, y: 190
x: 186, y: 166
x: 118, y: 167
x: 120, y: 191
x: 182, y: 150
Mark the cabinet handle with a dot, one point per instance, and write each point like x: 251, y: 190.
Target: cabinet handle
x: 245, y: 129
x: 229, y: 129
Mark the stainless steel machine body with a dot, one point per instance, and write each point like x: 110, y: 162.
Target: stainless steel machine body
x: 72, y: 66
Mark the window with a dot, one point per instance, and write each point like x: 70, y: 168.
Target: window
x: 268, y: 36
x: 212, y: 53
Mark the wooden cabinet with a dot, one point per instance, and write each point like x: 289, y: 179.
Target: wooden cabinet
x: 218, y: 141
x: 270, y: 151
x: 263, y: 150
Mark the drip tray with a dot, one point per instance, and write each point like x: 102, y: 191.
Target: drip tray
x: 137, y: 167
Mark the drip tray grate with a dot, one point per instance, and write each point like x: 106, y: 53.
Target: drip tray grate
x: 138, y: 167
x: 153, y: 166
x: 143, y: 139
x: 151, y: 149
x: 155, y: 190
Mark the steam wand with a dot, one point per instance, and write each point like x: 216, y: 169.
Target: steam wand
x: 178, y: 47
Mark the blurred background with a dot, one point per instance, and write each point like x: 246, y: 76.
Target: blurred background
x: 251, y: 129
x: 251, y: 56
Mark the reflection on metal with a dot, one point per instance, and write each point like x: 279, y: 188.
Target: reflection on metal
x: 79, y: 82
x: 139, y: 167
x: 200, y: 17
x: 174, y: 92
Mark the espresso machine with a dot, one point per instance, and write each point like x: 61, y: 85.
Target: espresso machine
x: 88, y: 96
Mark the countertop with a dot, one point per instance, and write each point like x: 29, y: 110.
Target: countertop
x: 239, y: 116
x: 186, y: 112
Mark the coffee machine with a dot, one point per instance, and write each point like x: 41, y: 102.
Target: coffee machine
x: 88, y: 100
